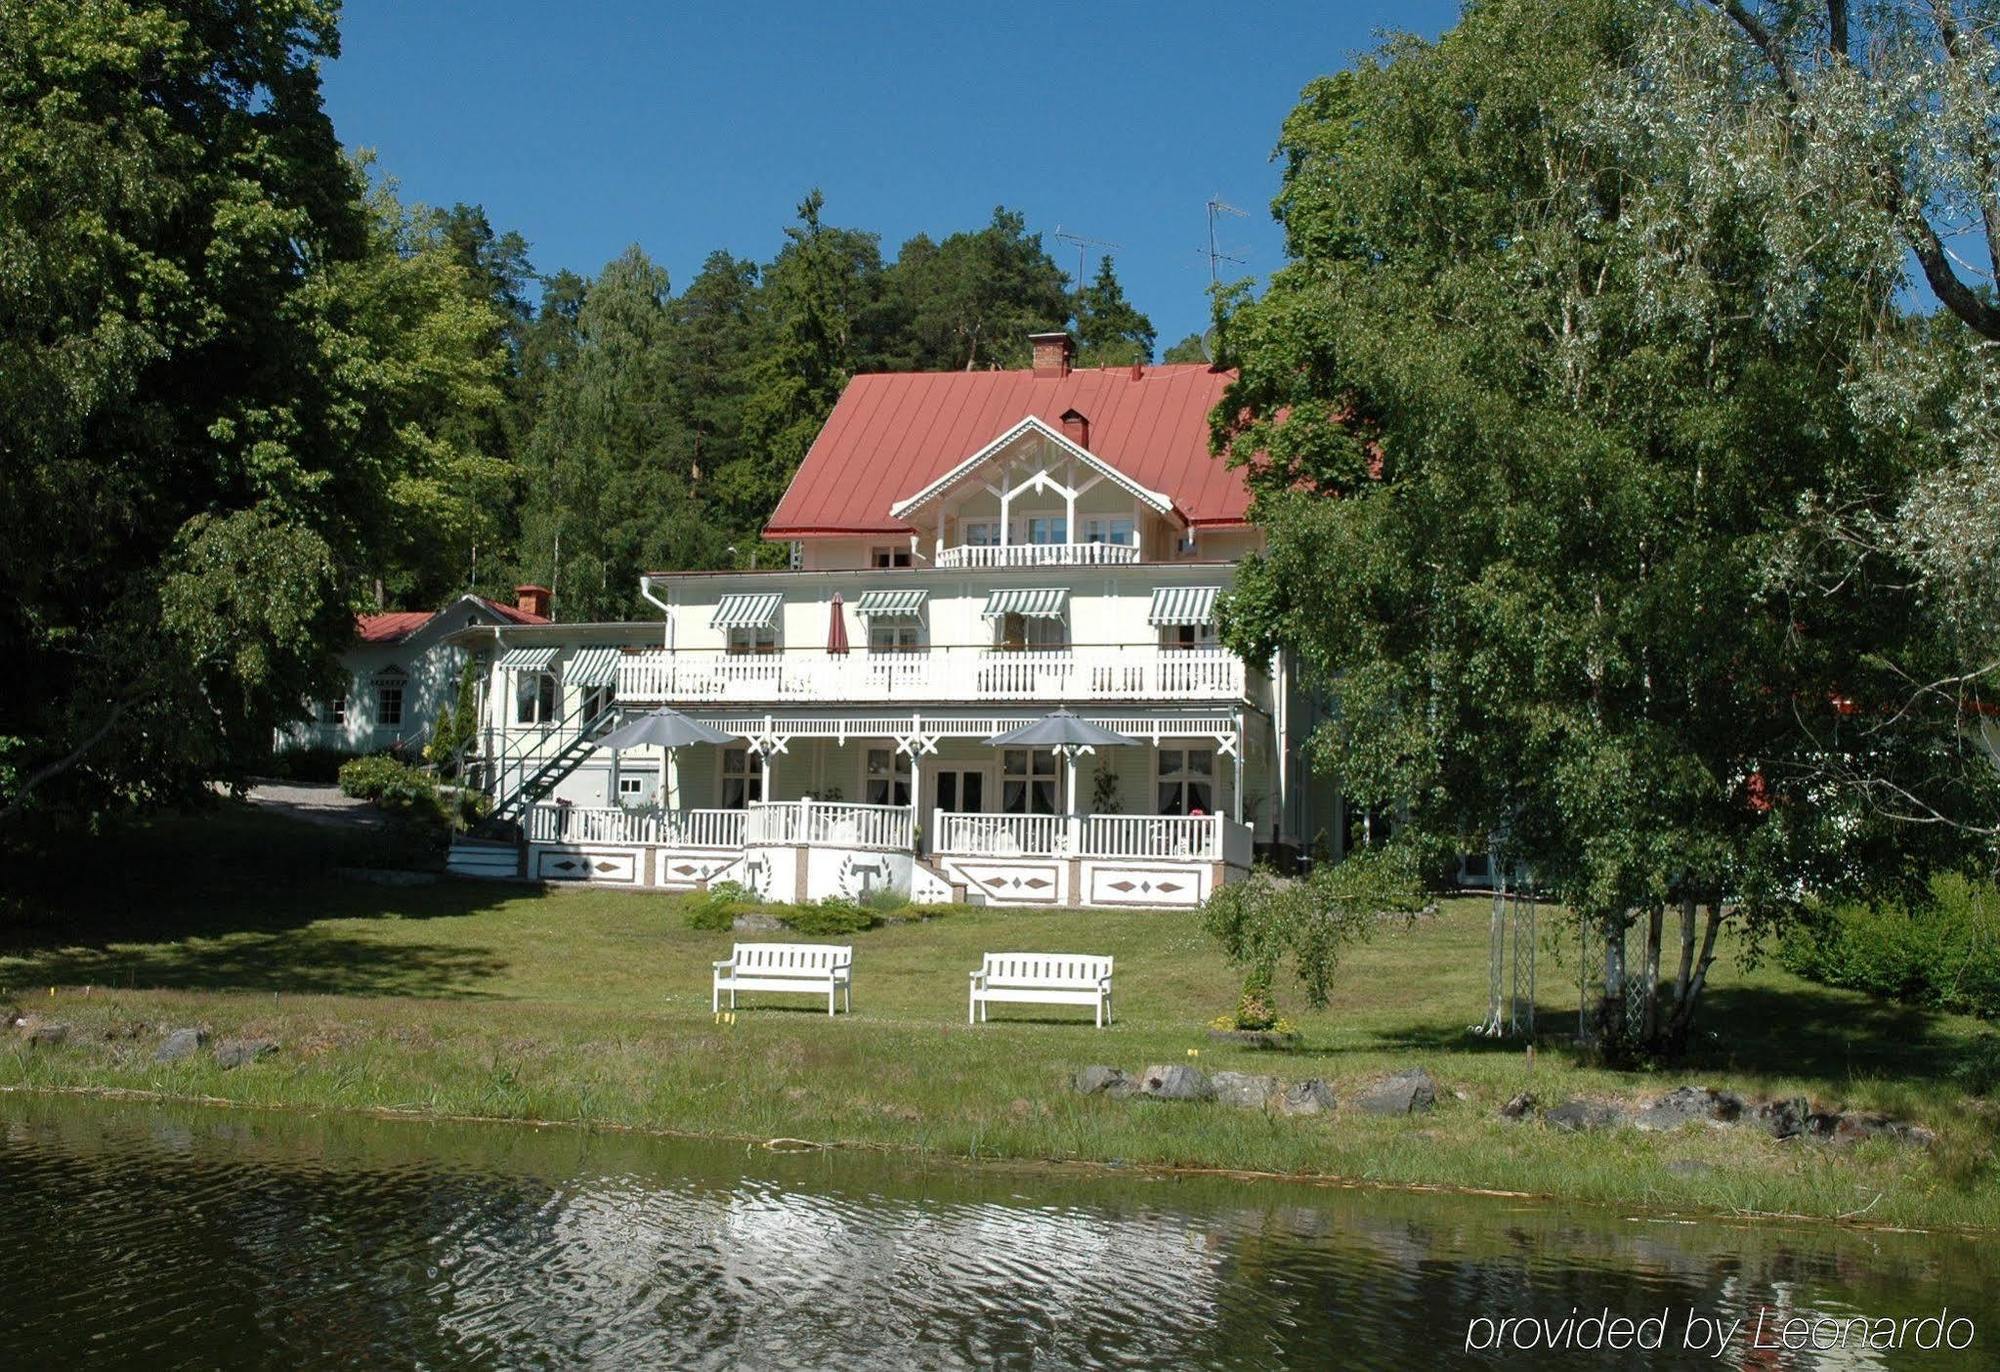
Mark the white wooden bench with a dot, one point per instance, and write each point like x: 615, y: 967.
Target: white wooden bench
x: 1042, y: 979
x: 811, y: 968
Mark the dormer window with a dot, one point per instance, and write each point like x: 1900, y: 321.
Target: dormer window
x: 1115, y: 529
x: 889, y: 557
x: 1048, y: 529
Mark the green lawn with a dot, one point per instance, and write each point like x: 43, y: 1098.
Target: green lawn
x: 593, y: 1007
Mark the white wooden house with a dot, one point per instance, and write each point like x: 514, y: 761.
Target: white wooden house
x: 990, y: 546
x: 403, y: 674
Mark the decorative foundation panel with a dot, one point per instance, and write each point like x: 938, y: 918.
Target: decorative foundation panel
x: 1146, y: 885
x: 1013, y: 881
x: 685, y: 869
x: 561, y: 862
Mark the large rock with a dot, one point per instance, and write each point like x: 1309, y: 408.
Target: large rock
x: 1312, y: 1097
x: 182, y: 1043
x: 1519, y: 1107
x: 48, y: 1034
x: 1249, y: 1090
x: 1849, y: 1128
x: 751, y: 922
x: 1690, y: 1105
x: 242, y: 1052
x: 1406, y: 1093
x: 1578, y: 1116
x: 1782, y: 1119
x: 1104, y: 1081
x: 1175, y: 1082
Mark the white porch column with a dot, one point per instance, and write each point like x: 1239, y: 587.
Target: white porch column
x: 1242, y: 747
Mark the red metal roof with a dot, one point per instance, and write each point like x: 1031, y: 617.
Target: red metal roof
x: 397, y: 625
x: 894, y: 433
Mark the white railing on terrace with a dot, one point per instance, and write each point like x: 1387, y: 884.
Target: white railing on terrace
x: 830, y: 824
x: 601, y: 824
x: 1201, y: 838
x: 1001, y: 835
x: 1138, y: 673
x: 1038, y: 555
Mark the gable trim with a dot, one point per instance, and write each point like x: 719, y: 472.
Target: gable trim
x: 1033, y: 424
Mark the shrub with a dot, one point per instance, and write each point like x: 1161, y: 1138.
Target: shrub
x: 309, y: 764
x: 830, y: 918
x: 717, y: 908
x: 1943, y: 955
x: 373, y: 777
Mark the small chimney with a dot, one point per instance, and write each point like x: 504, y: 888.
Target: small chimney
x: 533, y: 600
x: 1076, y: 428
x: 1053, y: 352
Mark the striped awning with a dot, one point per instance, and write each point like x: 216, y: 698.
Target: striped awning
x: 1174, y: 605
x: 890, y: 604
x: 756, y: 611
x: 592, y: 667
x: 1048, y: 603
x: 526, y: 659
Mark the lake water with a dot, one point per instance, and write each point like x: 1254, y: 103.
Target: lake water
x: 189, y: 1237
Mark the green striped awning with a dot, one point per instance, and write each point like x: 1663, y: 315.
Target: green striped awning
x: 526, y: 659
x: 592, y: 667
x: 1041, y: 604
x: 755, y: 611
x: 1174, y: 605
x: 890, y: 604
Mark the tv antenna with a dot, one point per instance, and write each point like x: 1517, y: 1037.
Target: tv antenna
x: 1082, y: 246
x: 1215, y: 254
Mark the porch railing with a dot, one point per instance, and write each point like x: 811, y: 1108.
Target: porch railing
x: 606, y: 824
x: 970, y: 555
x: 830, y: 824
x: 1200, y: 838
x: 1136, y: 673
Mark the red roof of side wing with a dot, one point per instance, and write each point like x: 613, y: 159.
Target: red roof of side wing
x: 894, y: 433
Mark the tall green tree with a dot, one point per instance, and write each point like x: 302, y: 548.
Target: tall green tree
x: 972, y: 300
x: 1533, y: 412
x: 221, y: 392
x: 1110, y: 332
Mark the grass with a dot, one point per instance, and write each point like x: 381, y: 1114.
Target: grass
x: 592, y: 1007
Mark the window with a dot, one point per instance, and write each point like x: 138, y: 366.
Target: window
x: 1048, y: 529
x: 1028, y: 781
x: 742, y: 778
x: 631, y: 786
x: 754, y: 639
x: 1032, y: 632
x: 886, y: 778
x: 1187, y: 781
x: 333, y: 710
x: 890, y: 557
x: 534, y: 698
x: 894, y: 636
x: 389, y: 704
x: 981, y: 533
x: 1187, y: 636
x: 1116, y: 529
x: 597, y: 700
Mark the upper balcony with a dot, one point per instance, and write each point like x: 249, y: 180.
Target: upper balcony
x: 939, y: 675
x: 982, y: 555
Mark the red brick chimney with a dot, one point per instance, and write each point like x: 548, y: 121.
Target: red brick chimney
x: 1076, y: 428
x: 1053, y: 352
x: 533, y: 600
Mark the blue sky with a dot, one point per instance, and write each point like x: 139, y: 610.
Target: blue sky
x: 587, y: 127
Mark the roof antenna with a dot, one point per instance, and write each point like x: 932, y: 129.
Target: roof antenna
x: 1215, y: 254
x: 1081, y: 244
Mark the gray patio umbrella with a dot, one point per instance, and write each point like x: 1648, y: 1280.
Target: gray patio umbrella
x: 663, y: 729
x: 1064, y: 733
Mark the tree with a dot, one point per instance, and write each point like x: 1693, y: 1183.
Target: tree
x: 1109, y: 331
x: 1189, y: 349
x: 972, y: 300
x: 1532, y: 413
x: 222, y: 393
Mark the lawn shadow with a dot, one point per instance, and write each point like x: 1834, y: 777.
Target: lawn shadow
x: 233, y: 899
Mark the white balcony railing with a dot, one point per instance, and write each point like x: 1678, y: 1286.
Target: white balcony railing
x: 831, y: 824
x: 600, y: 824
x: 971, y: 555
x: 1138, y: 673
x: 1185, y: 838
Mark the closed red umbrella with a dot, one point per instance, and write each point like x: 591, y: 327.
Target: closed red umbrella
x: 836, y: 628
